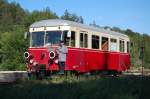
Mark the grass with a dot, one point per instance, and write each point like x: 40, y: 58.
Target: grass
x: 69, y: 88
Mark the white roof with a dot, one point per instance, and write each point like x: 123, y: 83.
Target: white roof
x: 60, y: 22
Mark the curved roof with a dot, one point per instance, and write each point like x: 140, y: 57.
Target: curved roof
x: 60, y: 22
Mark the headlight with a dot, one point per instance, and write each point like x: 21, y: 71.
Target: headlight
x: 52, y: 55
x: 26, y: 54
x: 35, y: 63
x: 31, y: 61
x: 56, y: 61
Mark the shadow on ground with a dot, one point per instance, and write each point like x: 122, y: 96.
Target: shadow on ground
x: 102, y: 88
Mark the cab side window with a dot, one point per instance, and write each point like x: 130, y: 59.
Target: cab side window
x: 69, y: 41
x: 65, y: 38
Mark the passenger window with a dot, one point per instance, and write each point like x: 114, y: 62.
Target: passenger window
x: 128, y: 47
x: 95, y: 42
x: 69, y: 41
x: 83, y: 40
x: 113, y: 44
x: 72, y: 38
x: 104, y: 44
x: 121, y: 46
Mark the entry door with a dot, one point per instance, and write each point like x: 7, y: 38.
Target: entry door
x: 83, y: 45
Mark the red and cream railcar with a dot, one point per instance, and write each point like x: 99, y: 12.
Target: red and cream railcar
x: 89, y: 48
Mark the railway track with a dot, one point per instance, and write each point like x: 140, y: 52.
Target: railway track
x: 12, y: 76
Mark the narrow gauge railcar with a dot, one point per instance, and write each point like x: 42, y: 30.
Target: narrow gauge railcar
x: 89, y: 48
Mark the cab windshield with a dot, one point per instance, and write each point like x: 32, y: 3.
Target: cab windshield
x: 50, y: 37
x: 37, y: 39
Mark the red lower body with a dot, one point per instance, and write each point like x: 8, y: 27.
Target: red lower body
x: 85, y: 60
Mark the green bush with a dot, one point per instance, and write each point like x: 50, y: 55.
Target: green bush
x: 12, y: 48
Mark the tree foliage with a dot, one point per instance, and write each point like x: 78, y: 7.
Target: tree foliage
x: 138, y: 40
x: 72, y: 17
x: 40, y: 15
x: 14, y: 21
x: 12, y: 49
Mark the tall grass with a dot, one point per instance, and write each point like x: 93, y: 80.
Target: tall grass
x: 102, y: 88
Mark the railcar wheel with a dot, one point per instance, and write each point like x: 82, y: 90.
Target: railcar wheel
x: 115, y: 73
x: 42, y: 72
x: 29, y: 74
x: 41, y: 75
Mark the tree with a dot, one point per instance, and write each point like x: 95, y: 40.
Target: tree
x: 11, y: 14
x: 40, y: 15
x: 95, y: 25
x: 72, y: 17
x: 14, y: 21
x: 12, y: 48
x: 145, y: 42
x: 107, y: 27
x: 116, y: 29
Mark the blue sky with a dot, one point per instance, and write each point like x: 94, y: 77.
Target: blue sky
x: 133, y: 14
